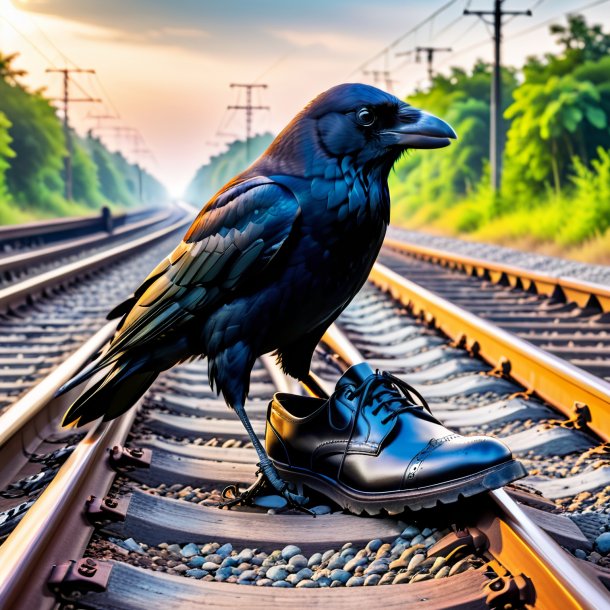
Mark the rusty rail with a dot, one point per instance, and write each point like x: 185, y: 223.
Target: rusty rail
x: 580, y: 292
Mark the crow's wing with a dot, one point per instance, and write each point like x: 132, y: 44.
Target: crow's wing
x: 233, y: 239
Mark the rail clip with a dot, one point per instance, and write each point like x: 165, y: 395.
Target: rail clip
x: 108, y: 508
x: 514, y: 592
x: 82, y: 575
x: 121, y: 457
x: 470, y: 539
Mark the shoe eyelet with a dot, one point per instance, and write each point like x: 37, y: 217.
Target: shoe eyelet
x: 349, y: 394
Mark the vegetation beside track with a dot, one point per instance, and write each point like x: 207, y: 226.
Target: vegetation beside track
x: 555, y: 195
x: 32, y: 150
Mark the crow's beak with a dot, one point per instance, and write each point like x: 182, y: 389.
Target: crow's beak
x: 418, y: 129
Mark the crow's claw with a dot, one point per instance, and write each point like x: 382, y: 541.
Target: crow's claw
x: 234, y: 497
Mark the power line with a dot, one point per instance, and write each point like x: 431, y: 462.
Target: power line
x: 495, y: 137
x: 398, y: 40
x: 552, y: 19
x: 29, y: 41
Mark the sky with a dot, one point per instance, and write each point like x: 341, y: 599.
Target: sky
x: 165, y: 67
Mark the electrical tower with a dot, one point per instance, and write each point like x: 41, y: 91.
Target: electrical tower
x: 495, y: 136
x: 380, y: 76
x: 67, y: 100
x: 430, y: 52
x: 249, y: 108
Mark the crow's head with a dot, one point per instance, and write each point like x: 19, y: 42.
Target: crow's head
x: 369, y: 126
x: 367, y: 123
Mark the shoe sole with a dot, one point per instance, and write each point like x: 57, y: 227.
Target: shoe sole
x: 394, y: 502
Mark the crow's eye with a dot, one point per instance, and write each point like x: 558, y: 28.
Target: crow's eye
x: 365, y: 116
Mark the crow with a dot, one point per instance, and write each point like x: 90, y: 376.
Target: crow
x: 270, y: 261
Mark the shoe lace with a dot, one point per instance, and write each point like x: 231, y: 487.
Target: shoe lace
x: 388, y: 383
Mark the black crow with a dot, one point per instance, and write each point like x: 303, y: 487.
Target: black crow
x: 271, y: 260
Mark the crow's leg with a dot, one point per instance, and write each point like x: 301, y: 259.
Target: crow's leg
x: 268, y: 471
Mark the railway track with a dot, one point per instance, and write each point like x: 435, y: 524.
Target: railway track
x: 126, y: 518
x: 31, y: 249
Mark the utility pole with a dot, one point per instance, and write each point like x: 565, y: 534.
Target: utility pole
x: 430, y: 52
x: 495, y: 136
x: 66, y: 100
x: 249, y: 108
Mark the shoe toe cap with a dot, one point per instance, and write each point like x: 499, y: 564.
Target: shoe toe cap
x: 455, y: 458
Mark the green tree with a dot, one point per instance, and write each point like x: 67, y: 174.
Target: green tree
x: 547, y: 129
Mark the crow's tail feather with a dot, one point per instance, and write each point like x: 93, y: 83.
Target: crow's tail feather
x: 110, y: 396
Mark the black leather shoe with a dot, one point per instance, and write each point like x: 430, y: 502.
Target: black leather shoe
x: 371, y: 447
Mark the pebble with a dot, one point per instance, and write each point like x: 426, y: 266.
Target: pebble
x: 215, y: 558
x: 245, y: 555
x: 324, y: 581
x: 181, y: 568
x: 314, y: 560
x: 373, y: 545
x: 225, y: 550
x: 371, y: 580
x: 131, y: 545
x: 443, y: 572
x: 282, y: 584
x: 304, y: 574
x: 277, y: 573
x: 340, y: 575
x: 439, y: 562
x: 403, y: 560
x: 377, y: 567
x: 580, y: 554
x: 189, y: 550
x: 325, y: 573
x: 409, y: 532
x: 208, y: 548
x: 417, y: 540
x: 198, y: 561
x: 196, y: 573
x: 223, y: 573
x: 336, y: 562
x: 415, y: 561
x: 355, y: 581
x: 290, y: 551
x: 352, y: 564
x: 322, y: 509
x: 459, y: 567
x: 426, y: 532
x: 421, y: 576
x: 229, y: 561
x: 264, y: 582
x: 248, y: 575
x: 602, y: 543
x: 298, y: 561
x: 174, y: 548
x: 327, y: 555
x: 402, y: 578
x: 387, y: 578
x: 383, y: 551
x: 307, y: 584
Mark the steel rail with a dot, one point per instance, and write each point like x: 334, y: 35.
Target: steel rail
x: 54, y: 529
x: 21, y: 291
x: 574, y: 290
x: 49, y: 253
x: 56, y: 226
x: 516, y: 542
x: 553, y: 379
